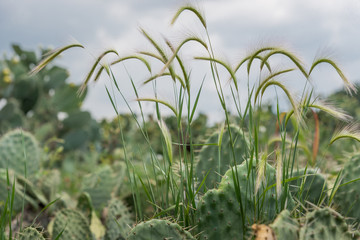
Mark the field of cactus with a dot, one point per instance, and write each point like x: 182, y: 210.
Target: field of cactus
x: 261, y: 173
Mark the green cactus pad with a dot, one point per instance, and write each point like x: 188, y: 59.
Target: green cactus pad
x: 209, y: 156
x: 18, y: 194
x: 12, y: 147
x: 347, y: 197
x: 268, y: 204
x: 49, y: 182
x: 30, y: 233
x: 314, y: 189
x: 324, y: 224
x: 156, y: 229
x: 118, y: 220
x: 73, y: 225
x: 220, y: 215
x: 84, y: 205
x: 99, y: 185
x: 285, y: 227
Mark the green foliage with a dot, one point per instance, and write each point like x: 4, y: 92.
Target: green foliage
x: 158, y: 229
x: 35, y: 101
x: 19, y: 149
x: 211, y: 162
x: 72, y: 224
x: 160, y: 176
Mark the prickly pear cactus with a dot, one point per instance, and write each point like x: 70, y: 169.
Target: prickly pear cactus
x: 73, y: 225
x: 30, y: 233
x: 84, y: 205
x: 324, y: 223
x: 262, y: 231
x: 158, y: 229
x: 268, y: 203
x: 49, y: 182
x: 284, y: 227
x: 313, y: 189
x: 218, y: 216
x: 219, y: 213
x: 209, y: 156
x: 347, y: 197
x: 4, y: 188
x: 99, y: 185
x: 118, y: 220
x: 12, y: 147
x: 19, y: 195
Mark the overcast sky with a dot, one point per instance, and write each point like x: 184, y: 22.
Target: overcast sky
x: 236, y: 27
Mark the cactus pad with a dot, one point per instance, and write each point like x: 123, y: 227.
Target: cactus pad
x: 209, y: 156
x: 30, y: 233
x: 12, y: 147
x: 347, y: 197
x: 159, y: 229
x: 218, y: 216
x: 85, y: 206
x: 219, y: 213
x: 324, y: 223
x: 99, y: 185
x: 74, y: 225
x: 284, y: 227
x: 118, y: 220
x: 313, y: 190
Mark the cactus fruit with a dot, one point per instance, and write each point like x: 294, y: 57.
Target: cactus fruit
x: 284, y: 227
x: 30, y: 233
x: 313, y: 190
x: 99, y: 185
x: 324, y: 223
x: 72, y: 225
x: 118, y: 220
x: 85, y: 206
x: 347, y: 197
x: 209, y: 156
x: 158, y: 229
x: 219, y: 213
x: 262, y: 231
x: 13, y: 146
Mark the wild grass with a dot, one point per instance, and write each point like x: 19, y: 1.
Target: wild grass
x: 177, y: 194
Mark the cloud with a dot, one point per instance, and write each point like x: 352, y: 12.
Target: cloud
x: 235, y: 27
